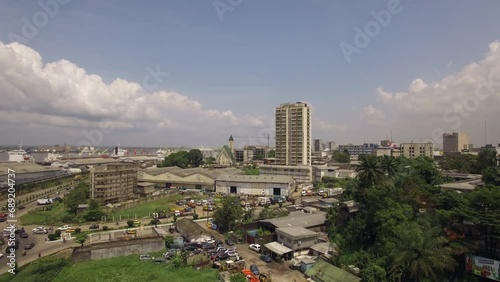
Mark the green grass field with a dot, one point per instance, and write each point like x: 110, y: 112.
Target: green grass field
x: 141, y: 211
x: 39, y: 217
x: 144, y: 210
x: 119, y: 269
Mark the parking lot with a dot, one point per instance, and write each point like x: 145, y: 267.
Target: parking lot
x: 280, y: 272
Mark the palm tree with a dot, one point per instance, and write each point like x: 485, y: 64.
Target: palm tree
x: 389, y: 165
x: 369, y: 171
x: 420, y: 251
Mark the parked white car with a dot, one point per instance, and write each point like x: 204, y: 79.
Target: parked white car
x: 232, y: 254
x: 64, y: 228
x: 255, y: 247
x: 40, y: 230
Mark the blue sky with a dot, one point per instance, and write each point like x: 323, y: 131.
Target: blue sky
x: 264, y: 53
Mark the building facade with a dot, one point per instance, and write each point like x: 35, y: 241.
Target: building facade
x: 293, y: 134
x: 414, y: 150
x: 455, y: 142
x: 301, y: 173
x: 113, y: 183
x: 256, y: 185
x: 298, y: 239
x: 254, y: 153
x: 357, y: 150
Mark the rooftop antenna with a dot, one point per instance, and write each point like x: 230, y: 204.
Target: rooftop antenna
x: 391, y: 136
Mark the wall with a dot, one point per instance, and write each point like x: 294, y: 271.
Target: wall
x: 118, y: 248
x: 305, y: 243
x: 249, y: 188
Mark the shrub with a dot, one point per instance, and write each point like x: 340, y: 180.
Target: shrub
x: 105, y: 228
x: 68, y: 218
x: 130, y: 223
x: 57, y: 233
x: 78, y: 230
x: 52, y: 237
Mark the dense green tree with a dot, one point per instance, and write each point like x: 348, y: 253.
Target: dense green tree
x: 179, y: 159
x: 81, y: 238
x: 454, y: 161
x: 75, y: 197
x: 209, y: 160
x: 341, y: 157
x: 491, y: 176
x: 369, y: 171
x: 229, y: 214
x: 483, y: 209
x: 195, y: 158
x: 486, y: 158
x: 420, y: 251
x: 389, y: 165
x: 427, y: 169
x: 94, y: 211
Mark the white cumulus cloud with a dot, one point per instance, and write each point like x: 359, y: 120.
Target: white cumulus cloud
x: 457, y: 102
x: 61, y: 94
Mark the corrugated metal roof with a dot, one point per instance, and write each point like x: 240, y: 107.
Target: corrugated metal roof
x: 325, y: 272
x: 284, y: 179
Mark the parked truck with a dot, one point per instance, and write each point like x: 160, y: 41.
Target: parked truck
x: 332, y: 192
x: 44, y: 202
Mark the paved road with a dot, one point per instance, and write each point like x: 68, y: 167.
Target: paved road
x: 41, y: 246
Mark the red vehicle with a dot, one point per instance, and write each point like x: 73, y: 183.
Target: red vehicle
x: 4, y: 214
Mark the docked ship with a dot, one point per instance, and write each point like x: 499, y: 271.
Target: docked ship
x: 52, y: 157
x: 20, y: 156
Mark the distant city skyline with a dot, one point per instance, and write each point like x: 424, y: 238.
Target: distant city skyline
x: 175, y: 73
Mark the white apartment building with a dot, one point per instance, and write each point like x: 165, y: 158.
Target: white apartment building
x: 293, y: 134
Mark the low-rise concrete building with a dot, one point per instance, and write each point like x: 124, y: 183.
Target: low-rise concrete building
x: 259, y: 185
x: 313, y: 221
x: 414, y: 150
x: 298, y: 239
x: 301, y: 173
x: 113, y: 183
x: 191, y: 178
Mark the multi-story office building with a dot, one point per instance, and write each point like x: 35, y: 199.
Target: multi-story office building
x: 113, y: 183
x: 253, y: 153
x: 293, y: 134
x: 357, y: 150
x: 318, y: 145
x: 455, y: 142
x: 414, y: 150
x: 332, y: 145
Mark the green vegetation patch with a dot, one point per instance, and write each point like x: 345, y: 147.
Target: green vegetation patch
x: 129, y: 268
x: 52, y: 214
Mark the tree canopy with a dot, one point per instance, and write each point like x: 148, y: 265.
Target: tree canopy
x: 179, y: 159
x: 229, y: 214
x: 406, y: 227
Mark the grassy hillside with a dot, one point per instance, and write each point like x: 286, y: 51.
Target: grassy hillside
x: 120, y: 269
